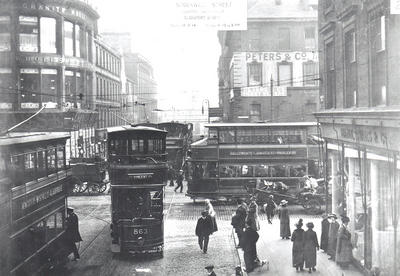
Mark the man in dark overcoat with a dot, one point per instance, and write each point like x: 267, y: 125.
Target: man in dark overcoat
x: 250, y: 238
x: 204, y: 228
x: 240, y: 221
x: 269, y: 208
x: 179, y: 181
x: 72, y: 232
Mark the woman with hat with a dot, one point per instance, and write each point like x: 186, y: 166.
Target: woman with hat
x: 298, y: 246
x: 285, y: 220
x: 332, y: 237
x: 324, y: 232
x: 344, y: 246
x: 310, y: 247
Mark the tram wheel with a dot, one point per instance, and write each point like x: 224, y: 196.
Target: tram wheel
x: 102, y: 187
x: 79, y: 185
x: 313, y: 206
x: 93, y: 188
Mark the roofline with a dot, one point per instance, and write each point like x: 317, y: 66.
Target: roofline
x: 30, y: 137
x: 129, y: 127
x: 278, y: 19
x: 261, y: 124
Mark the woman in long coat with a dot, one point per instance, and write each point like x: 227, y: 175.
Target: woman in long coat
x: 252, y: 216
x: 298, y: 246
x: 324, y: 233
x: 332, y: 240
x: 211, y: 212
x: 344, y: 246
x: 310, y: 247
x: 285, y: 220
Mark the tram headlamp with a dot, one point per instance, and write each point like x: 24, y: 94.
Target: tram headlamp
x: 140, y: 241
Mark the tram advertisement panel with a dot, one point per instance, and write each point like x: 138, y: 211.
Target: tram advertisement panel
x: 30, y: 202
x: 269, y: 153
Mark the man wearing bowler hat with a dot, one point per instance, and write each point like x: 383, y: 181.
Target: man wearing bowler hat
x: 210, y: 270
x: 72, y: 232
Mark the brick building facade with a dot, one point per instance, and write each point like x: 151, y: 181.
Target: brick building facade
x: 277, y: 52
x: 359, y: 122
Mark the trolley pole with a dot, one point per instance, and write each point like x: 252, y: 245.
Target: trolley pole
x: 272, y: 92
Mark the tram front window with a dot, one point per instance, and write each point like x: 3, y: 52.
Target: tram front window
x: 137, y: 203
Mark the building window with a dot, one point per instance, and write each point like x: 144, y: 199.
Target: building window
x: 5, y: 38
x: 284, y: 39
x: 309, y: 35
x: 48, y: 35
x: 254, y: 39
x: 7, y: 89
x: 49, y: 87
x: 29, y: 88
x: 254, y: 74
x: 68, y: 38
x: 285, y: 74
x: 351, y: 69
x: 310, y: 73
x: 331, y: 76
x: 28, y: 34
x: 77, y: 41
x: 378, y: 62
x: 255, y: 112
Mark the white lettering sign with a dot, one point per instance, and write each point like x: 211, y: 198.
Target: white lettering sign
x: 209, y: 14
x: 281, y: 56
x: 258, y: 91
x: 394, y: 6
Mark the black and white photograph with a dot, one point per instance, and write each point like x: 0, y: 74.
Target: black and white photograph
x: 199, y: 137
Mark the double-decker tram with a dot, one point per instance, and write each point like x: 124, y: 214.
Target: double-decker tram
x: 33, y: 190
x: 138, y: 175
x: 237, y: 156
x: 179, y: 138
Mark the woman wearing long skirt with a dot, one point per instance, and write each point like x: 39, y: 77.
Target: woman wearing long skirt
x: 285, y: 220
x: 332, y: 239
x: 344, y: 246
x: 324, y: 233
x: 298, y: 246
x: 310, y: 247
x: 211, y: 213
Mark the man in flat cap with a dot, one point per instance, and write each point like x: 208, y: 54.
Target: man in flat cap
x: 210, y: 270
x: 72, y: 232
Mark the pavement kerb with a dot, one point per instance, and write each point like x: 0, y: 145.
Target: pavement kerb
x: 239, y: 255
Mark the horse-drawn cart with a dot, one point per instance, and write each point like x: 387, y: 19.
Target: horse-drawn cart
x: 311, y: 201
x: 89, y: 174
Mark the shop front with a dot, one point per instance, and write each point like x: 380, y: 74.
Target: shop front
x: 363, y: 169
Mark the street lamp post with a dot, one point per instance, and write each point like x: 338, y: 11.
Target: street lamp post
x: 208, y: 108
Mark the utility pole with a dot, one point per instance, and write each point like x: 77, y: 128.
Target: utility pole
x: 272, y: 92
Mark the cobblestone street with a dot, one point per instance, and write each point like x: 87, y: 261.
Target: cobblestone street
x: 182, y: 255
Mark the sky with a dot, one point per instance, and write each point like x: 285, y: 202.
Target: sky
x: 183, y: 61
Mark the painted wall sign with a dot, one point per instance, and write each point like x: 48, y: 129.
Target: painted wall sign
x: 259, y: 91
x: 208, y: 14
x: 51, y: 60
x: 267, y: 153
x: 281, y: 56
x: 65, y: 10
x: 386, y: 138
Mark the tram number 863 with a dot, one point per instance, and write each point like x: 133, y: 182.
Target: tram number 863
x: 139, y: 231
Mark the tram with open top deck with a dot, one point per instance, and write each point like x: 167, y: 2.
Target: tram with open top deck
x: 138, y: 174
x: 34, y: 180
x: 238, y: 156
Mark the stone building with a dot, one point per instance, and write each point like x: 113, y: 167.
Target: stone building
x: 360, y: 124
x: 278, y: 53
x: 48, y: 60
